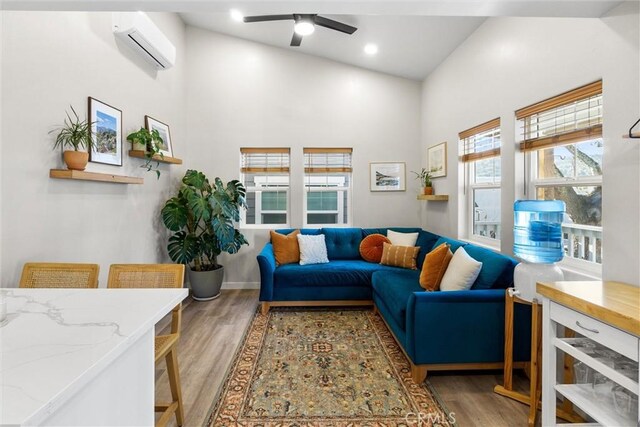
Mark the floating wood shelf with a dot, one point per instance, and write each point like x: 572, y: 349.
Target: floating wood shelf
x: 162, y: 159
x: 633, y: 135
x: 434, y: 197
x: 94, y: 176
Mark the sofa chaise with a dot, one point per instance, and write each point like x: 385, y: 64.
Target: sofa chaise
x: 436, y: 330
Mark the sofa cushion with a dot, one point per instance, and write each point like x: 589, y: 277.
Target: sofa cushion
x: 334, y: 273
x: 343, y: 243
x: 371, y: 247
x: 399, y: 256
x: 285, y: 247
x: 434, y: 266
x: 402, y: 239
x: 497, y: 269
x: 312, y: 249
x: 394, y: 288
x: 461, y: 273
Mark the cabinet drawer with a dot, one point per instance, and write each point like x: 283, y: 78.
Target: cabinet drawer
x: 608, y: 336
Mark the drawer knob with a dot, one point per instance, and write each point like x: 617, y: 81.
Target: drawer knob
x: 595, y: 331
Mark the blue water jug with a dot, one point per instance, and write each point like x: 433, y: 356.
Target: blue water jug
x: 537, y: 230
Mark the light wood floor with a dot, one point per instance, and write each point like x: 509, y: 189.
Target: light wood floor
x: 212, y: 330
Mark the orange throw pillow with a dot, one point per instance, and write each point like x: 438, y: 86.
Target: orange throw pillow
x: 434, y: 266
x: 286, y: 248
x: 371, y: 247
x: 399, y: 256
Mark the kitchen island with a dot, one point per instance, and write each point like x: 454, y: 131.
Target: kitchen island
x: 80, y: 356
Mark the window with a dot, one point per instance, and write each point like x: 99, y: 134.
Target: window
x: 480, y: 147
x: 563, y: 138
x: 327, y: 185
x: 265, y: 174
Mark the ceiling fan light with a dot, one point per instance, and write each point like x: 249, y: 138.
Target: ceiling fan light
x: 236, y: 15
x: 371, y: 49
x: 304, y: 27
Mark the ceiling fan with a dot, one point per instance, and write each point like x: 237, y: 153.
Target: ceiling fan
x: 304, y: 24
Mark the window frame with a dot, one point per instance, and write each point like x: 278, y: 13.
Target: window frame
x: 258, y: 190
x: 580, y: 265
x: 531, y: 143
x: 339, y: 171
x: 469, y: 161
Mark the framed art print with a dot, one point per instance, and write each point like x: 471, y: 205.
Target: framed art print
x: 387, y: 176
x: 437, y: 160
x: 106, y: 133
x: 163, y: 129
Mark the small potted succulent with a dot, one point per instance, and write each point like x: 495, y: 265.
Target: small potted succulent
x: 424, y: 176
x: 76, y: 134
x: 150, y: 142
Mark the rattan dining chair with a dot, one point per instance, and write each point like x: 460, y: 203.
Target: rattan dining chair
x: 158, y: 276
x: 59, y: 275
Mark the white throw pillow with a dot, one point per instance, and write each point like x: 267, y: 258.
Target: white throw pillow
x: 313, y: 249
x: 402, y: 239
x: 461, y: 272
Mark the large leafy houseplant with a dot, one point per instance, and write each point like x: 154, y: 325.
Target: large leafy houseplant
x: 202, y: 217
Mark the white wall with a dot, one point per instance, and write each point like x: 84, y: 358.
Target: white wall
x: 49, y: 61
x: 241, y: 93
x: 509, y: 63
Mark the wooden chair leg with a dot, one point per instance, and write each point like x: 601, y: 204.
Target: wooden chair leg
x: 174, y: 382
x: 264, y: 309
x: 418, y: 373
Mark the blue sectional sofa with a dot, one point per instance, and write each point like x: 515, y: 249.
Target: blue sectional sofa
x: 437, y: 330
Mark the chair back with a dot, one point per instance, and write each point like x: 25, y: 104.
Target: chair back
x: 59, y: 275
x: 150, y: 276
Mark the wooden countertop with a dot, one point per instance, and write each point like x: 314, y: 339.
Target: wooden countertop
x: 615, y: 303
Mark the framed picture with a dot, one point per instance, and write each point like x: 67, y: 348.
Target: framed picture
x: 106, y: 130
x: 437, y: 160
x: 163, y: 129
x: 387, y: 176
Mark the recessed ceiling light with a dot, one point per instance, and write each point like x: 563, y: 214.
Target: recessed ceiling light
x: 304, y: 27
x: 236, y: 15
x: 371, y: 49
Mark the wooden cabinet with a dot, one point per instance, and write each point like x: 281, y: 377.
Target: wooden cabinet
x: 606, y: 315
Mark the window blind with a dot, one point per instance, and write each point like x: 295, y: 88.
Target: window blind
x: 265, y: 160
x: 570, y: 117
x: 327, y: 160
x: 480, y: 142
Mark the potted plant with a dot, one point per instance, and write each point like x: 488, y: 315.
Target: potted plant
x: 76, y: 134
x: 150, y: 142
x: 424, y: 176
x: 201, y: 217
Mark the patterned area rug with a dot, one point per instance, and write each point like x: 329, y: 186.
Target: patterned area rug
x: 310, y: 367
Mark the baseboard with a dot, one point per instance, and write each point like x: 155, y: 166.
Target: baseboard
x: 241, y: 285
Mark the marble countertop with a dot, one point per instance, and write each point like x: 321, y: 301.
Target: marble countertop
x: 55, y: 341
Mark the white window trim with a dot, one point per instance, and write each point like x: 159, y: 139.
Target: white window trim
x: 339, y: 211
x: 578, y: 265
x: 471, y: 237
x: 258, y: 191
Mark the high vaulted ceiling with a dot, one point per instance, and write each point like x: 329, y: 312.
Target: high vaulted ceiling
x: 409, y: 46
x: 413, y: 37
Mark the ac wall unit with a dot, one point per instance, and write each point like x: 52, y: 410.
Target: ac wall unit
x: 139, y: 32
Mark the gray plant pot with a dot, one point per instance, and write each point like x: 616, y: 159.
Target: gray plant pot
x: 206, y: 284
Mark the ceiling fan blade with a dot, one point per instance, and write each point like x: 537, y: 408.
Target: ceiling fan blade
x: 263, y: 18
x: 296, y: 39
x: 334, y: 25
